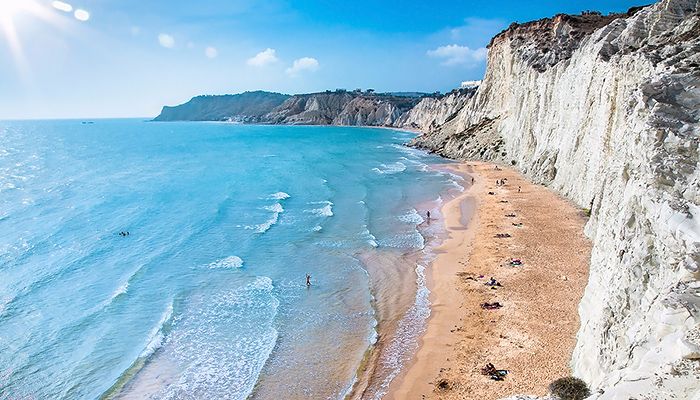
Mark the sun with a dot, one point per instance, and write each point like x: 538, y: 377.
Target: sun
x: 8, y: 8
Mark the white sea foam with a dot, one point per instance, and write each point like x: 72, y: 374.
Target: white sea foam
x: 455, y: 176
x: 156, y: 336
x: 390, y: 169
x: 277, y: 207
x: 412, y: 240
x: 228, y: 262
x: 412, y: 217
x: 317, y: 228
x: 325, y: 211
x: 279, y: 196
x: 265, y: 226
x: 221, y: 362
x: 120, y: 290
x: 456, y: 185
x: 369, y: 237
x: 408, y: 151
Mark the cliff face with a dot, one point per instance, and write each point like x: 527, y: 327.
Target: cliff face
x: 326, y: 108
x: 433, y: 112
x: 310, y: 109
x: 608, y: 115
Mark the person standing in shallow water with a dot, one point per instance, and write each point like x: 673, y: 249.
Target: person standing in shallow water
x: 308, y: 280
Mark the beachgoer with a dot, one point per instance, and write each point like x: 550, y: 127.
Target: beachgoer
x: 308, y: 280
x: 428, y: 215
x: 472, y: 180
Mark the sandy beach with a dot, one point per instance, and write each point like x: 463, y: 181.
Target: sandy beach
x: 533, y: 334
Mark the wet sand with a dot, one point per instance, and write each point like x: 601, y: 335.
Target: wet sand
x: 533, y: 334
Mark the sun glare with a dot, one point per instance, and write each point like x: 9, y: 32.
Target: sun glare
x: 8, y: 8
x: 14, y: 13
x: 9, y: 11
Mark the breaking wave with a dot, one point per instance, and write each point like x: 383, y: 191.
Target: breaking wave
x: 228, y: 262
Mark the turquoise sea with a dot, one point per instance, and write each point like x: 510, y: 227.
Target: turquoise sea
x: 206, y: 296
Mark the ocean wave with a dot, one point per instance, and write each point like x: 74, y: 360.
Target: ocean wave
x: 228, y: 262
x: 334, y: 244
x: 154, y: 341
x: 390, y: 169
x: 369, y: 237
x: 412, y: 217
x: 220, y: 362
x: 317, y: 228
x: 457, y: 185
x: 276, y: 210
x: 279, y: 196
x: 265, y: 226
x: 214, y: 361
x: 277, y: 207
x: 325, y: 211
x: 157, y: 334
x: 4, y: 301
x: 120, y: 291
x: 409, y: 151
x: 413, y: 240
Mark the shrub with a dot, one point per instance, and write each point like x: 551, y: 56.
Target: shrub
x: 569, y: 388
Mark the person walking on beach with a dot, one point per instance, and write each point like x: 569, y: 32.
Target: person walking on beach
x: 428, y: 215
x: 308, y: 280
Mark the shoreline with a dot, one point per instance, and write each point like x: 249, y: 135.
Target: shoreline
x: 544, y: 292
x: 394, y: 334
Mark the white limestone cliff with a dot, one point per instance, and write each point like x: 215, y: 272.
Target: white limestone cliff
x: 605, y: 110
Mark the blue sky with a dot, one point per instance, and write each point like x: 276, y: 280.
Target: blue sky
x: 127, y: 58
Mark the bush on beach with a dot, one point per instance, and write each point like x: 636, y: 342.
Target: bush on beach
x: 569, y: 388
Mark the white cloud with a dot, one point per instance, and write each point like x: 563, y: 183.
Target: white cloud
x: 166, y: 40
x: 81, y: 15
x: 65, y: 7
x: 302, y: 64
x: 454, y: 54
x: 211, y: 52
x: 263, y: 58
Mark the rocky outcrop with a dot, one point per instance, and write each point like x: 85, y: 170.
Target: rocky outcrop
x: 605, y: 110
x: 243, y: 107
x: 340, y: 107
x: 310, y: 109
x: 433, y: 112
